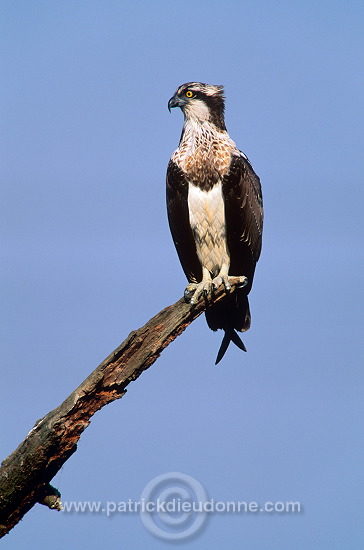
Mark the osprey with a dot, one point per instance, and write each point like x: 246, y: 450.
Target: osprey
x: 215, y: 210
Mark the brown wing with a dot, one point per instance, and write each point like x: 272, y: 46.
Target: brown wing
x: 244, y: 223
x: 244, y: 217
x: 178, y: 218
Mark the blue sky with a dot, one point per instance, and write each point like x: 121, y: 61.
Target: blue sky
x: 87, y: 257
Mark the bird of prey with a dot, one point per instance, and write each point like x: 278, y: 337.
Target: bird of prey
x: 215, y: 210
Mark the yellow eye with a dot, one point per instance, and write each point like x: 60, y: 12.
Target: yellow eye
x: 189, y: 93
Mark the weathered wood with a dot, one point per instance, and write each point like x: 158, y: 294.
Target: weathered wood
x: 26, y: 473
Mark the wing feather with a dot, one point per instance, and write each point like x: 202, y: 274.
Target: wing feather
x: 244, y: 217
x: 178, y: 218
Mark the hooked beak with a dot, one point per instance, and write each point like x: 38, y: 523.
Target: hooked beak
x: 175, y: 101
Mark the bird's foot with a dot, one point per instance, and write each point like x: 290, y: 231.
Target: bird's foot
x: 227, y: 281
x: 194, y: 291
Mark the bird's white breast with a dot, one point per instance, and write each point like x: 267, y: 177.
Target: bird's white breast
x: 207, y: 220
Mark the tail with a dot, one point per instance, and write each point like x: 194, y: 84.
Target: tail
x: 229, y: 336
x: 232, y: 313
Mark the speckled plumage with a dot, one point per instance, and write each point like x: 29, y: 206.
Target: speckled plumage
x: 204, y: 154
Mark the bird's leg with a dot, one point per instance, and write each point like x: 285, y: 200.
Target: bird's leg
x: 205, y: 287
x: 224, y: 279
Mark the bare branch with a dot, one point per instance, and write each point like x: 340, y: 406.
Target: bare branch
x: 26, y: 474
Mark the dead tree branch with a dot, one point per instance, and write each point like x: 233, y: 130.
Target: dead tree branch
x: 26, y: 474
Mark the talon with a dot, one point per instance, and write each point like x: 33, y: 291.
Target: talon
x: 197, y: 289
x: 243, y: 282
x: 189, y: 290
x: 226, y: 283
x: 186, y: 295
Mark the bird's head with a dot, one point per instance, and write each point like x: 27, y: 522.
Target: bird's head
x: 200, y: 102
